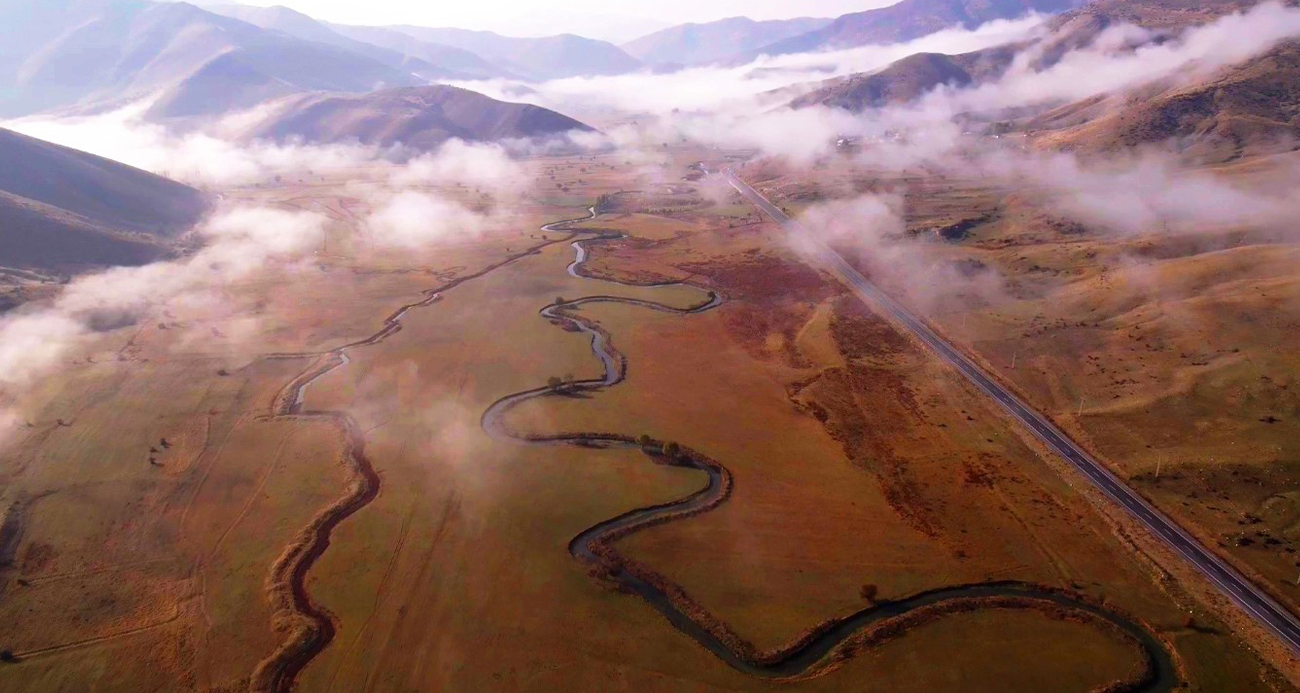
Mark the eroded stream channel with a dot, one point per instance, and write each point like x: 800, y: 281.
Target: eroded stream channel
x: 811, y: 654
x: 818, y: 648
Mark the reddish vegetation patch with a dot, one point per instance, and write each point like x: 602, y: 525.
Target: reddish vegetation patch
x: 839, y: 399
x: 859, y: 332
x: 870, y: 409
x: 768, y: 295
x: 35, y: 557
x: 630, y: 244
x: 978, y: 474
x: 621, y: 259
x: 765, y: 278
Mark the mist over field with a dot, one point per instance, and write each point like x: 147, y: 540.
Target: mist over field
x: 726, y: 106
x: 1130, y: 192
x: 738, y: 89
x: 238, y: 241
x: 766, y: 351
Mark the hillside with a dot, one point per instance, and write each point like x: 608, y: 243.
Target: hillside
x: 67, y: 52
x: 65, y: 208
x: 701, y: 44
x: 1077, y: 28
x: 417, y: 117
x: 549, y: 57
x: 1253, y: 107
x: 907, y: 79
x: 911, y: 77
x: 1248, y: 108
x: 34, y: 236
x: 1157, y: 14
x: 909, y: 20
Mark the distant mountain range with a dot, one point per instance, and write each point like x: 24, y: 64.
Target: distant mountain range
x: 58, y: 53
x: 420, y: 118
x: 701, y: 44
x: 455, y: 60
x: 200, y: 62
x: 328, y: 83
x: 338, y: 83
x: 427, y: 61
x: 62, y: 209
x: 550, y: 57
x: 907, y: 20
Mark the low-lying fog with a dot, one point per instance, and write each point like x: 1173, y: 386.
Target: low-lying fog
x: 729, y: 107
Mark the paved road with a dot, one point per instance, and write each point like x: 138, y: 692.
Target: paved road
x: 1253, y: 600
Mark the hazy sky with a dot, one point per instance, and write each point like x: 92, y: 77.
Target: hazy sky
x: 616, y: 20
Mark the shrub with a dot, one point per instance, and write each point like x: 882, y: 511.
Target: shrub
x: 644, y: 440
x: 555, y: 383
x: 672, y: 449
x: 869, y: 592
x: 6, y: 656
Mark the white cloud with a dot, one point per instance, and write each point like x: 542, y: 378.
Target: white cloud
x: 721, y: 88
x: 1108, y: 65
x: 198, y: 158
x: 458, y: 162
x: 241, y: 241
x: 411, y: 219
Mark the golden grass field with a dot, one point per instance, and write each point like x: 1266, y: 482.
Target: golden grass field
x: 857, y: 459
x: 1159, y: 350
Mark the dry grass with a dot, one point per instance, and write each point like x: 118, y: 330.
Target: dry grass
x: 457, y: 577
x: 1168, y: 338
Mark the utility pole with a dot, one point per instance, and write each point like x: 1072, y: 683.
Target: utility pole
x: 1014, y: 356
x: 1080, y: 407
x: 1159, y: 460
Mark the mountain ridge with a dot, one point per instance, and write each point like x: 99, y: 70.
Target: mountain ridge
x: 419, y: 118
x: 708, y: 42
x: 65, y: 208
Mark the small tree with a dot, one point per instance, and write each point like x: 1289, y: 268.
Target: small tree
x: 555, y: 383
x: 672, y: 449
x: 6, y: 655
x: 559, y: 301
x: 869, y: 592
x: 644, y: 440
